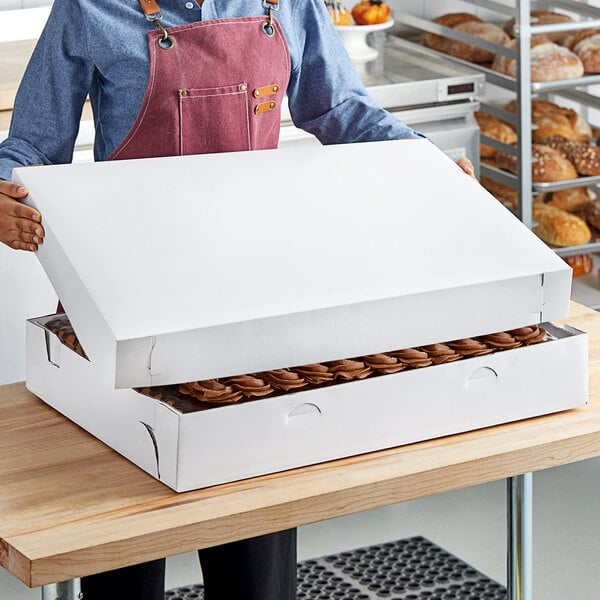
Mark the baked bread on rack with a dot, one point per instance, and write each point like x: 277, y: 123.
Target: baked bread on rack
x: 469, y: 24
x: 586, y: 44
x: 558, y: 227
x: 585, y: 157
x: 503, y: 193
x: 551, y: 119
x: 496, y: 129
x: 571, y: 200
x: 550, y: 165
x: 543, y: 17
x: 549, y: 61
x: 592, y: 213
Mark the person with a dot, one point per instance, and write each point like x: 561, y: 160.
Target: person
x: 171, y: 77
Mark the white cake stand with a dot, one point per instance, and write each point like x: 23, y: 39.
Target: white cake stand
x: 354, y: 38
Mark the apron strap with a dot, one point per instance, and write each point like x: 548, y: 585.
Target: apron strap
x: 151, y: 10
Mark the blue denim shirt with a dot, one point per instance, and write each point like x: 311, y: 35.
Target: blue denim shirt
x: 100, y: 48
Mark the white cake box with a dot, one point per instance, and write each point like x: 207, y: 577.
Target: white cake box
x: 188, y: 268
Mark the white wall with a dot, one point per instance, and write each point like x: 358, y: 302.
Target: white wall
x: 24, y: 288
x: 10, y: 4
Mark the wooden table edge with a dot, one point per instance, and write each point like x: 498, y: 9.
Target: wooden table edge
x: 205, y: 518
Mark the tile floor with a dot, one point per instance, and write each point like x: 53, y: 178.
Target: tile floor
x: 469, y: 523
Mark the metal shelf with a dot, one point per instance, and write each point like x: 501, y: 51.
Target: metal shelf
x: 554, y: 186
x: 583, y: 249
x: 524, y: 89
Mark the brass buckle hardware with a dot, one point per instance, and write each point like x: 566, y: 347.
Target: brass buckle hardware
x: 165, y: 42
x: 270, y: 7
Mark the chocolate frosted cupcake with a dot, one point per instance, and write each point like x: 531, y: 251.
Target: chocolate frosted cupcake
x: 500, y: 341
x: 469, y: 347
x: 249, y: 385
x: 315, y: 373
x: 62, y: 328
x: 384, y: 363
x: 284, y: 380
x: 211, y: 390
x: 347, y: 370
x: 532, y: 334
x: 413, y: 358
x: 440, y: 353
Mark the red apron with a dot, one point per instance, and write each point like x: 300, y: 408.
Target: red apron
x: 214, y: 86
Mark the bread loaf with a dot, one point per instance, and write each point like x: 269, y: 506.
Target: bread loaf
x: 571, y: 200
x: 585, y: 157
x: 495, y: 129
x: 592, y: 213
x: 542, y: 17
x: 432, y: 40
x: 552, y: 119
x: 588, y: 51
x: 550, y: 165
x: 574, y: 38
x: 560, y: 228
x: 469, y: 24
x: 549, y: 62
x: 501, y: 192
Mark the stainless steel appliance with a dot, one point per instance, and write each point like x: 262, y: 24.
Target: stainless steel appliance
x: 435, y: 97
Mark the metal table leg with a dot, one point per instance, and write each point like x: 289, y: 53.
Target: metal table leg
x: 66, y: 590
x: 520, y: 534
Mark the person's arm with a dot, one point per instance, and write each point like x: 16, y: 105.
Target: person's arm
x: 51, y: 95
x: 326, y: 96
x: 46, y: 118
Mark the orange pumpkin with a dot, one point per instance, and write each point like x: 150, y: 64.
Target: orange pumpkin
x: 371, y: 12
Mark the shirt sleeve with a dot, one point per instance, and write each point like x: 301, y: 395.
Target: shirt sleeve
x: 326, y: 96
x: 50, y: 99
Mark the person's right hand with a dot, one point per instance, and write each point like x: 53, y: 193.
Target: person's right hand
x: 20, y: 225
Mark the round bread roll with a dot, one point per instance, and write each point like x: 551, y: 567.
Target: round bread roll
x: 549, y: 62
x: 432, y: 40
x: 592, y: 213
x: 550, y: 165
x: 588, y: 51
x: 496, y: 129
x: 560, y: 228
x: 577, y: 36
x: 552, y: 119
x: 543, y: 17
x: 585, y: 157
x: 469, y: 24
x: 571, y: 200
x: 486, y: 31
x: 501, y: 192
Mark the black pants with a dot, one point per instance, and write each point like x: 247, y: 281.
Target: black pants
x: 260, y: 568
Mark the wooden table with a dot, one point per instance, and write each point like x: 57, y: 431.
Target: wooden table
x: 70, y: 506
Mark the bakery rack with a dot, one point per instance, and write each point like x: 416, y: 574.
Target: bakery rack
x: 576, y: 90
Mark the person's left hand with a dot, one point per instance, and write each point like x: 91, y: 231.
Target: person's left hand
x: 466, y: 165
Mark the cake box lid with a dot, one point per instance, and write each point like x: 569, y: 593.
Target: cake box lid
x: 187, y: 268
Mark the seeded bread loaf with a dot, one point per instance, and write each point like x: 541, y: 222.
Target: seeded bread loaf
x: 585, y: 157
x: 550, y: 165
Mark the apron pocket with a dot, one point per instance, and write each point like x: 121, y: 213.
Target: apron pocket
x: 214, y: 119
